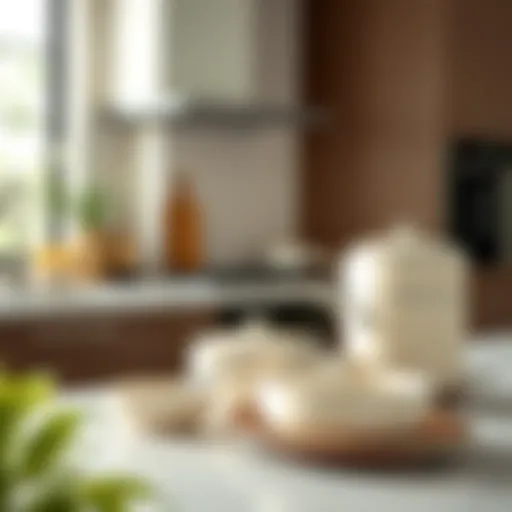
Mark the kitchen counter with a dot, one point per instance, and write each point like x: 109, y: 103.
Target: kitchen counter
x: 145, y: 326
x: 204, y: 477
x: 169, y: 293
x: 210, y: 478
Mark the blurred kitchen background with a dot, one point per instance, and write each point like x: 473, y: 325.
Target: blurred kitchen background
x: 171, y: 165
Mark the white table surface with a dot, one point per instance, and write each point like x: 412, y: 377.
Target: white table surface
x: 201, y: 477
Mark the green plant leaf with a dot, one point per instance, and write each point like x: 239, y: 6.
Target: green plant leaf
x: 34, y: 474
x: 49, y: 443
x: 32, y: 391
x: 115, y: 493
x: 61, y: 498
x: 7, y: 483
x: 18, y: 398
x: 10, y: 417
x: 93, y: 209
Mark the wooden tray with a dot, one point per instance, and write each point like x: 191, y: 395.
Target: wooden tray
x: 439, y: 438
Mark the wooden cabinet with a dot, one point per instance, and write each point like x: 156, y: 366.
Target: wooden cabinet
x: 81, y: 348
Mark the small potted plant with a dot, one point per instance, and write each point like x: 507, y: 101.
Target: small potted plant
x: 96, y: 252
x: 92, y: 211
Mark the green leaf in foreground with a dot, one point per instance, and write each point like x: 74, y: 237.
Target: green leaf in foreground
x: 57, y: 499
x: 115, y: 493
x: 36, y: 475
x: 7, y: 482
x: 49, y: 443
x: 30, y: 392
x: 19, y: 396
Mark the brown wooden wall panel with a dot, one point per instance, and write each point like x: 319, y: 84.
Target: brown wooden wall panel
x: 401, y: 78
x: 492, y: 304
x: 379, y: 69
x: 480, y: 45
x: 330, y: 183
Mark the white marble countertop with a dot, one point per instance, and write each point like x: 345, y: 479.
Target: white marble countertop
x: 201, y: 477
x: 170, y: 294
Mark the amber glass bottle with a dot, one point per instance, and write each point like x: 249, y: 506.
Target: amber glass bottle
x: 184, y: 237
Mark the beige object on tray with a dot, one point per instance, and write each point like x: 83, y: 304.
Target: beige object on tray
x: 339, y: 395
x: 246, y: 351
x: 163, y: 405
x: 229, y: 365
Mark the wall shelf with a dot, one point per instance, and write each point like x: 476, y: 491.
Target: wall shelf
x: 196, y: 115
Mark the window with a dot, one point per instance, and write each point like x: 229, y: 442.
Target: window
x: 22, y: 119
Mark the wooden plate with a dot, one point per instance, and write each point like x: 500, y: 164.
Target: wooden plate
x: 441, y: 435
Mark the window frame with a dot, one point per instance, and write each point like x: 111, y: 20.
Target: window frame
x: 56, y: 94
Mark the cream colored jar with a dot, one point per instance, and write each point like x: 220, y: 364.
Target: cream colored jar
x: 405, y: 304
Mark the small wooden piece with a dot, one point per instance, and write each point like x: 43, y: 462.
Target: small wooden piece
x: 162, y: 406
